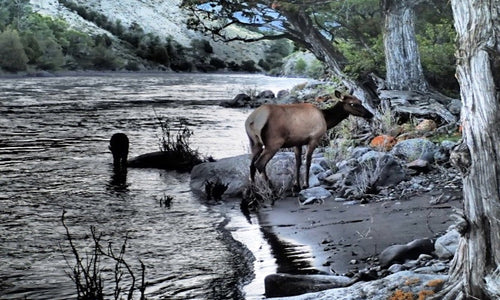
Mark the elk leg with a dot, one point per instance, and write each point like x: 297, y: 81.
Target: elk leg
x: 256, y: 152
x: 263, y: 159
x: 310, y: 150
x: 298, y: 162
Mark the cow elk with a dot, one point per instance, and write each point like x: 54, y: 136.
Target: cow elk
x: 274, y: 126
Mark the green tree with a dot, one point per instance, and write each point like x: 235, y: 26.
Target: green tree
x: 12, y: 12
x: 274, y: 20
x: 52, y: 57
x: 45, y: 49
x: 104, y: 59
x: 300, y: 66
x: 12, y: 55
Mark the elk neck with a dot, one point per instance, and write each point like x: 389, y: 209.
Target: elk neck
x: 334, y: 114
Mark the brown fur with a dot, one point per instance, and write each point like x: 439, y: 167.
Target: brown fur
x: 274, y: 126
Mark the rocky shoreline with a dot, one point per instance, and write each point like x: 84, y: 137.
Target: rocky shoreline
x: 375, y: 224
x: 351, y: 241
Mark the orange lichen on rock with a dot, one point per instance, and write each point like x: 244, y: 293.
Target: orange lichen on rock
x: 412, y: 281
x: 401, y: 295
x: 383, y: 142
x: 436, y: 283
x: 422, y: 295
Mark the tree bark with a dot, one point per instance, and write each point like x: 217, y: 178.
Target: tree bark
x: 402, y: 58
x: 475, y: 272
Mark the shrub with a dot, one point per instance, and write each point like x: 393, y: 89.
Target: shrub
x: 104, y: 59
x: 300, y: 66
x: 233, y: 66
x: 217, y: 63
x: 248, y: 66
x: 12, y: 55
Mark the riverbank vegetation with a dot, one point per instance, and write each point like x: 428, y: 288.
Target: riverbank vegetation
x: 92, y: 273
x: 33, y: 42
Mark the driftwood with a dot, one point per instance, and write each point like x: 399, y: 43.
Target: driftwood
x: 428, y: 104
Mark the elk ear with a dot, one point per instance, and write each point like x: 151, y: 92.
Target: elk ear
x: 339, y: 95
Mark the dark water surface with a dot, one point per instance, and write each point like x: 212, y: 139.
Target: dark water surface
x: 54, y: 134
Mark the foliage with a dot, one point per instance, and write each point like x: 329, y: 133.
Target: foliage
x: 363, y: 60
x: 12, y: 55
x: 300, y: 66
x: 354, y: 28
x: 275, y: 54
x: 437, y: 48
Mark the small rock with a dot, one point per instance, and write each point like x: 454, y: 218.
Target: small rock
x: 282, y: 93
x: 413, y: 149
x: 420, y: 165
x: 401, y: 253
x: 396, y: 268
x: 447, y: 245
x: 426, y: 126
x: 267, y: 94
x: 424, y: 257
x: 318, y: 192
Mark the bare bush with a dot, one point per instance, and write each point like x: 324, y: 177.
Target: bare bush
x: 88, y: 274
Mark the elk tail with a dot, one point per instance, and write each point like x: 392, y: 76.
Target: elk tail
x: 256, y: 123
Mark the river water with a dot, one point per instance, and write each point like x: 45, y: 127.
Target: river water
x: 54, y: 134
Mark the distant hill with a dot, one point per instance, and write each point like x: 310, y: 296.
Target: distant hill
x: 163, y: 18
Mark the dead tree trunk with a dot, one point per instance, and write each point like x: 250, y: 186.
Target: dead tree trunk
x: 402, y: 58
x: 405, y: 89
x: 475, y: 272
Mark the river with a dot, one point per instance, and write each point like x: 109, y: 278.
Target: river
x: 54, y: 157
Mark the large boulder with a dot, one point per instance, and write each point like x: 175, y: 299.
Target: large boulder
x: 413, y: 149
x: 231, y: 170
x: 283, y: 285
x: 394, y: 286
x: 368, y: 173
x: 235, y: 171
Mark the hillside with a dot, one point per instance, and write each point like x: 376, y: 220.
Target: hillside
x: 163, y: 18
